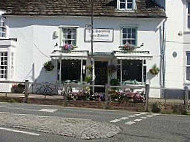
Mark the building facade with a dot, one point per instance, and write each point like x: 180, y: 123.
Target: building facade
x: 128, y: 35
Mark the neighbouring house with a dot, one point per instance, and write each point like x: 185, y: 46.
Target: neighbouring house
x: 127, y: 34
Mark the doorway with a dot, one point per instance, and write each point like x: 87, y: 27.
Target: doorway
x: 101, y: 75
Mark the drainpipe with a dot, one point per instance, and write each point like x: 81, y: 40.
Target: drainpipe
x: 163, y: 57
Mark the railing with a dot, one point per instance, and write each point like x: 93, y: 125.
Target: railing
x: 67, y: 90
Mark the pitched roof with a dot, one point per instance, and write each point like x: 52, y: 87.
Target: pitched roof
x: 145, y: 8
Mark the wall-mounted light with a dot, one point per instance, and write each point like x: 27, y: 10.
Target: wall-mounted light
x: 55, y: 34
x: 180, y: 33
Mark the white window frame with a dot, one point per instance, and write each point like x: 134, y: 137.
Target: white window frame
x: 129, y: 27
x: 3, y: 65
x: 2, y: 27
x: 126, y: 5
x: 63, y: 38
x: 187, y: 66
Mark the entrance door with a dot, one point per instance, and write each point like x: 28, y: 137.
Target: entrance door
x: 101, y: 75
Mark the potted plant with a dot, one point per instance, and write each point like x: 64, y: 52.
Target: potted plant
x: 89, y: 68
x: 48, y: 66
x: 154, y: 70
x: 68, y: 47
x: 88, y: 79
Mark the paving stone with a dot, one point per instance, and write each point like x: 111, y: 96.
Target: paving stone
x: 71, y: 127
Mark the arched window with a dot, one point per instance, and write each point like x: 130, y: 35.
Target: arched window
x: 2, y: 27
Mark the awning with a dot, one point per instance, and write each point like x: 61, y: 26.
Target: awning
x: 133, y: 55
x: 73, y: 55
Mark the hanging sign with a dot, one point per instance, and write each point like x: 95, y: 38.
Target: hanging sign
x: 99, y: 35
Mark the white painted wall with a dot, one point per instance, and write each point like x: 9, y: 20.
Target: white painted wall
x: 174, y: 43
x: 35, y: 42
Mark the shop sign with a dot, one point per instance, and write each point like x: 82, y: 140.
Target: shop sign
x: 99, y: 35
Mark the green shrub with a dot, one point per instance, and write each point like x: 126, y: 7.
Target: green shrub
x: 179, y: 109
x: 18, y: 88
x: 156, y: 108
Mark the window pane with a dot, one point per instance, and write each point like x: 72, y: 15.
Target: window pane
x: 69, y: 36
x: 188, y: 58
x: 124, y: 35
x: 3, y: 65
x: 188, y: 22
x: 188, y: 73
x: 122, y: 5
x: 129, y: 6
x: 129, y: 36
x: 124, y: 30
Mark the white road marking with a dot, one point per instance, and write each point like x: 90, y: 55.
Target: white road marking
x: 149, y: 116
x: 18, y: 131
x: 143, y: 113
x: 48, y: 110
x: 124, y: 118
x: 143, y: 117
x: 137, y: 120
x: 155, y: 114
x: 131, y: 116
x: 138, y: 114
x: 115, y: 120
x: 130, y: 123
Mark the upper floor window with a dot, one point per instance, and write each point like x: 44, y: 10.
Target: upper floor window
x: 2, y: 27
x: 125, y: 4
x: 69, y: 36
x: 129, y: 35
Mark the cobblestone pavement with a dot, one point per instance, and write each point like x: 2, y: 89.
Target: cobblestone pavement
x: 73, y: 127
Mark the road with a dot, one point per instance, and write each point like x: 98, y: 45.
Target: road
x: 135, y: 127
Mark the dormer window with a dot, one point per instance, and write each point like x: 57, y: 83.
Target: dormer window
x: 125, y: 4
x: 2, y: 27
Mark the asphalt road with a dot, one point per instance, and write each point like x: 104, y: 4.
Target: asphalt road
x: 136, y: 127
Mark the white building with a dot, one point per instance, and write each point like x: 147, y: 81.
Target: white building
x: 32, y: 33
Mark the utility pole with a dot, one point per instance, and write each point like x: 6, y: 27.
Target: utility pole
x: 92, y: 27
x: 92, y: 40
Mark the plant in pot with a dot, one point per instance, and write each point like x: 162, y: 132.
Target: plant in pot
x: 48, y: 66
x: 89, y: 68
x: 154, y: 70
x: 88, y: 79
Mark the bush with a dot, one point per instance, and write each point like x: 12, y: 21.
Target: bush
x: 18, y: 88
x: 179, y: 109
x: 156, y: 108
x: 48, y: 66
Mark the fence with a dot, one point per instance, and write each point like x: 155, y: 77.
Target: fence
x: 69, y: 90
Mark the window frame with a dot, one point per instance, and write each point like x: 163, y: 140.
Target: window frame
x: 5, y: 75
x: 62, y: 39
x: 3, y: 26
x: 121, y: 34
x: 126, y: 5
x: 186, y: 65
x: 188, y: 15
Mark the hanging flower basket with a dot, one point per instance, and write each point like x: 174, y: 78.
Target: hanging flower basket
x: 48, y: 66
x: 112, y: 68
x: 68, y: 47
x: 154, y: 70
x: 88, y: 79
x: 90, y: 68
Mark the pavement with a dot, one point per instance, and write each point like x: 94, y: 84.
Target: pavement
x: 44, y: 123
